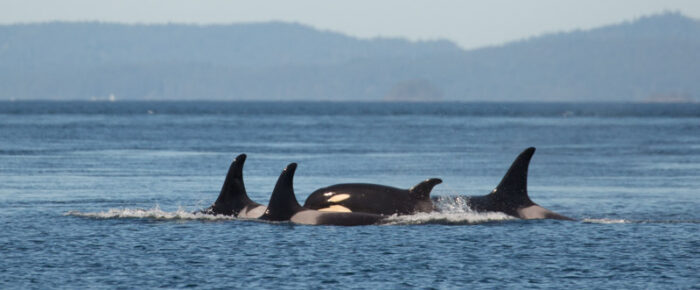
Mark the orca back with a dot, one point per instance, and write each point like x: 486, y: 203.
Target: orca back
x: 511, y: 196
x: 373, y: 198
x: 233, y: 196
x: 283, y: 204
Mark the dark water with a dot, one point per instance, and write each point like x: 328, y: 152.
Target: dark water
x: 99, y: 194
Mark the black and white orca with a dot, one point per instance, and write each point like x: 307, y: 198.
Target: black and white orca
x: 373, y: 198
x: 233, y: 199
x: 284, y: 206
x: 510, y: 196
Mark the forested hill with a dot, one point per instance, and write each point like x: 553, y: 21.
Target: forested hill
x: 655, y: 58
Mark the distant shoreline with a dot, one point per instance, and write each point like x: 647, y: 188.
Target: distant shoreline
x: 650, y: 59
x: 649, y: 102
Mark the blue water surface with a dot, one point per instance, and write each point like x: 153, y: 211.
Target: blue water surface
x: 100, y: 195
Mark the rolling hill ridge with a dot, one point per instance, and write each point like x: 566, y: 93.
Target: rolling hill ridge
x: 654, y: 58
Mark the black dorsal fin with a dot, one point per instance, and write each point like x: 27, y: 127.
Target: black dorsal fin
x: 513, y: 187
x: 283, y: 204
x: 422, y: 190
x: 233, y: 196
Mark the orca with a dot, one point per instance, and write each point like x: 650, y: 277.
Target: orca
x: 283, y: 206
x: 233, y: 199
x: 510, y: 196
x: 374, y: 198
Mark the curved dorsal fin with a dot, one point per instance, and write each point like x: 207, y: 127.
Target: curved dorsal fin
x: 283, y: 204
x: 421, y: 191
x: 233, y: 196
x: 513, y: 186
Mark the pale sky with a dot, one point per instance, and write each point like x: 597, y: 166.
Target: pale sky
x: 470, y: 24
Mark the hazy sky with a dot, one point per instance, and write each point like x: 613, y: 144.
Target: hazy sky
x: 469, y: 23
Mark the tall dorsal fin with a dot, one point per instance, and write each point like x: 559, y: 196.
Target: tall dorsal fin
x: 513, y: 186
x: 283, y: 204
x: 233, y: 196
x: 421, y: 191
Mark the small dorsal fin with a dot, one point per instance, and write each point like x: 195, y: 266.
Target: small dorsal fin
x: 513, y: 186
x: 233, y: 196
x: 283, y: 204
x: 421, y: 191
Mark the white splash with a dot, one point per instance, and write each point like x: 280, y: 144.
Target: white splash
x: 452, y: 210
x: 453, y: 204
x: 153, y: 213
x: 448, y: 218
x: 606, y: 221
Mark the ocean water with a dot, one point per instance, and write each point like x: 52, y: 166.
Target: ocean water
x: 100, y: 195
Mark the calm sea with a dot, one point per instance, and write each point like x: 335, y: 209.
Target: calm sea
x: 99, y: 194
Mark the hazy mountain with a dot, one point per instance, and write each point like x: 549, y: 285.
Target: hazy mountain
x: 653, y: 58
